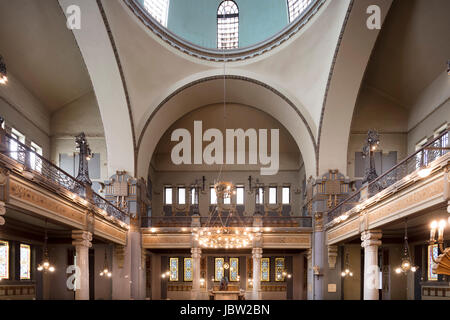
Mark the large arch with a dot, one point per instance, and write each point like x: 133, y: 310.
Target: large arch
x: 349, y: 64
x: 240, y: 90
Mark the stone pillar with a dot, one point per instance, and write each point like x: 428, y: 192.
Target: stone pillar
x: 196, y: 256
x: 82, y: 242
x: 257, y: 255
x: 2, y: 213
x: 370, y: 242
x: 318, y: 257
x: 309, y: 275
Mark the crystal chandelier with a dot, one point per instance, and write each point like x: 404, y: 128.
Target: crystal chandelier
x: 217, y: 234
x: 224, y: 237
x: 45, y: 264
x: 347, y: 272
x: 406, y: 265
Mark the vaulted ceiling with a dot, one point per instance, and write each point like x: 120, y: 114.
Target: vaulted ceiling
x: 412, y: 49
x: 41, y: 52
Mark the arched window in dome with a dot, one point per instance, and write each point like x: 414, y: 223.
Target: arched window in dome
x: 159, y: 9
x: 228, y: 25
x: 295, y: 7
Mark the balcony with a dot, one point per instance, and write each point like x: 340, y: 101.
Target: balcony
x: 416, y: 184
x: 32, y: 184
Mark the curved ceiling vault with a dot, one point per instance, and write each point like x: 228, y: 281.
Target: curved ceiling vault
x: 143, y: 84
x: 239, y: 90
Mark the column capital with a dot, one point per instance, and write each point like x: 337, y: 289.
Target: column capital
x: 196, y: 252
x: 371, y: 238
x: 257, y: 253
x: 81, y: 238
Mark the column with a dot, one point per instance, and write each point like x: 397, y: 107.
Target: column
x: 370, y: 242
x: 309, y: 275
x: 2, y: 212
x: 318, y: 256
x: 196, y: 255
x: 257, y: 255
x: 82, y: 242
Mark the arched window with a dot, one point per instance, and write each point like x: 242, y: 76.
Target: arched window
x: 159, y: 9
x: 295, y: 7
x: 228, y: 25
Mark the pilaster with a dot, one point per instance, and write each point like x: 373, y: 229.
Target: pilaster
x: 82, y: 242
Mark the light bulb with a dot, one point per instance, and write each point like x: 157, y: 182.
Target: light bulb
x: 101, y: 274
x: 347, y: 271
x: 351, y: 274
x: 163, y: 276
x: 413, y: 269
x: 40, y: 268
x: 442, y: 224
x: 343, y: 274
x: 425, y: 172
x: 51, y: 269
x: 46, y: 264
x: 109, y: 274
x: 105, y: 270
x: 398, y: 270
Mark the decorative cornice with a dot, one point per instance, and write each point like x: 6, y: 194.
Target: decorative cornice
x: 217, y: 55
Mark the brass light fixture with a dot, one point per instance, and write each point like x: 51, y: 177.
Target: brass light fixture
x: 3, y: 73
x: 106, y: 272
x: 407, y: 264
x: 347, y: 272
x: 45, y: 265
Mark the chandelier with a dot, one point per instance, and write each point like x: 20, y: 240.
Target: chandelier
x: 45, y: 264
x: 106, y: 272
x: 224, y: 237
x: 218, y: 234
x: 347, y: 272
x: 407, y: 264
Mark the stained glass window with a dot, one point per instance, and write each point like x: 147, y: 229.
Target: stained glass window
x: 228, y: 25
x: 25, y: 260
x: 296, y: 7
x: 173, y: 268
x: 234, y: 269
x: 218, y: 272
x: 159, y: 9
x: 4, y: 260
x: 432, y: 251
x: 265, y: 269
x: 188, y: 269
x: 279, y: 269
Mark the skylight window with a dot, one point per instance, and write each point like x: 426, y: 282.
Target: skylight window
x: 159, y: 9
x: 228, y: 25
x: 296, y: 7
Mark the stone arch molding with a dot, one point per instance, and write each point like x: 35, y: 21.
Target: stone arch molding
x: 239, y: 89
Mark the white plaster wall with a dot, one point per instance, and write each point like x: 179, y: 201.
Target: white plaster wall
x: 25, y: 112
x: 352, y: 285
x: 430, y: 111
x: 81, y: 115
